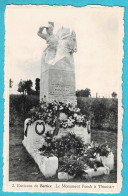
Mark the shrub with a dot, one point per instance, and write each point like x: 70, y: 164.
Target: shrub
x: 103, y: 112
x: 20, y: 105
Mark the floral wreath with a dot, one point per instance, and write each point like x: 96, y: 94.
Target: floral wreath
x: 43, y: 130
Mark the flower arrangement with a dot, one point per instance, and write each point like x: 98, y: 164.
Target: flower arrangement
x: 74, y: 156
x: 67, y: 146
x: 94, y: 148
x: 50, y: 112
x: 73, y: 167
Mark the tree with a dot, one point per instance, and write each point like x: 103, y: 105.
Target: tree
x: 114, y: 94
x: 25, y: 87
x: 10, y: 83
x: 37, y: 86
x: 21, y: 86
x: 28, y: 86
x: 83, y: 93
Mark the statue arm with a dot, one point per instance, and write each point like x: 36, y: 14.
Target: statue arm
x: 40, y: 34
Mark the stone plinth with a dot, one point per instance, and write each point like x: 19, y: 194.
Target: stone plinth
x: 58, y: 82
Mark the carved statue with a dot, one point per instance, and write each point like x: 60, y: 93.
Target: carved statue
x: 63, y: 44
x: 57, y: 67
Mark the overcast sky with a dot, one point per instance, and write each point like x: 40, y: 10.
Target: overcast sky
x: 99, y: 43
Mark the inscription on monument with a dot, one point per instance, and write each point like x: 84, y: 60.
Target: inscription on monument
x: 61, y: 89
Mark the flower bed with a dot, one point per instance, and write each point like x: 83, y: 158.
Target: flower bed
x: 73, y: 157
x: 76, y: 159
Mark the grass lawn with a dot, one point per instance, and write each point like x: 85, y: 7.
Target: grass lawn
x: 23, y: 168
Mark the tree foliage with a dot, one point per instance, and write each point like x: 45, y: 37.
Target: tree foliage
x: 20, y: 106
x: 10, y: 83
x: 114, y: 94
x: 37, y: 86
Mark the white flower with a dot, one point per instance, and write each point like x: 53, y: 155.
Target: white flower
x: 60, y: 108
x: 55, y: 107
x: 75, y: 115
x: 77, y: 110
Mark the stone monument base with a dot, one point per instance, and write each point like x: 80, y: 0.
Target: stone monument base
x: 33, y: 140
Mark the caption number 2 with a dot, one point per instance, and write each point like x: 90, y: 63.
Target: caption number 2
x: 13, y: 185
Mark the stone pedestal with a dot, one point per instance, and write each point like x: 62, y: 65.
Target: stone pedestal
x: 58, y: 82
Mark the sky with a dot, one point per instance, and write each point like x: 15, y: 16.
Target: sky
x: 99, y: 34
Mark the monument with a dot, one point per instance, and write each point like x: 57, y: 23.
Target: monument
x: 57, y: 65
x: 58, y: 117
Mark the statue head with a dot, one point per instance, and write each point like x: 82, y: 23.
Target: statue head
x: 50, y: 27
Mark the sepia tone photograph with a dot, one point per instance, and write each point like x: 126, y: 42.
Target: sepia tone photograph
x: 63, y: 117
